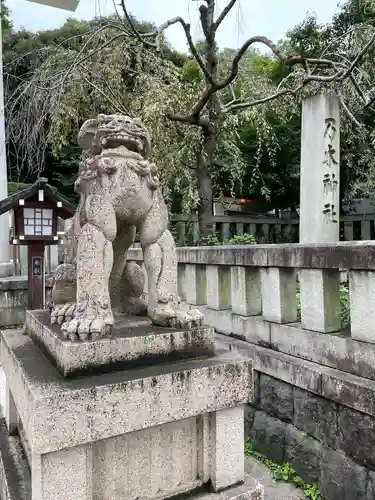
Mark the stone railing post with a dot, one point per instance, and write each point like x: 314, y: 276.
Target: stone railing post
x: 195, y: 284
x: 279, y: 294
x: 218, y: 287
x: 362, y: 291
x: 246, y: 291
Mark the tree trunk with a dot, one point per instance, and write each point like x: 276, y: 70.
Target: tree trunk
x: 206, y: 151
x: 204, y: 159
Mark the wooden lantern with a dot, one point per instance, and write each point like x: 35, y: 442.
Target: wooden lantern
x: 35, y: 212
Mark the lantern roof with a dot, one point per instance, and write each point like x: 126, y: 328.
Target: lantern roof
x: 64, y: 208
x: 70, y: 5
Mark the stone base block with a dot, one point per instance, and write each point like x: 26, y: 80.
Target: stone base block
x: 15, y: 479
x: 6, y: 269
x: 147, y: 433
x: 134, y: 342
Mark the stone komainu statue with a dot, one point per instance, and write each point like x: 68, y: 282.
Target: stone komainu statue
x: 119, y: 195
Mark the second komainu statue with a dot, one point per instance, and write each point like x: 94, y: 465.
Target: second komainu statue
x: 119, y: 195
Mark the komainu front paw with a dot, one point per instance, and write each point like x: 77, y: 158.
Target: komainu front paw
x: 189, y: 319
x: 92, y: 319
x: 87, y: 329
x: 62, y: 313
x: 175, y: 316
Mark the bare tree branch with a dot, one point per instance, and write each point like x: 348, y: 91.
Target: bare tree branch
x: 224, y: 14
x: 241, y: 52
x: 234, y: 98
x: 234, y: 106
x: 370, y: 97
x: 358, y: 89
x: 192, y: 120
x: 348, y: 112
x: 357, y: 59
x: 340, y: 71
x: 139, y: 37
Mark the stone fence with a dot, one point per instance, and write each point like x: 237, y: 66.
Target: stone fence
x: 315, y: 392
x: 14, y: 299
x: 266, y: 229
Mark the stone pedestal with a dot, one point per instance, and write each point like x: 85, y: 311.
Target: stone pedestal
x: 168, y: 425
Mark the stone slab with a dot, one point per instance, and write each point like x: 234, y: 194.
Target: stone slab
x: 61, y: 413
x: 268, y: 436
x: 134, y: 342
x: 341, y: 478
x: 342, y: 255
x: 335, y: 385
x: 337, y: 351
x: 15, y: 481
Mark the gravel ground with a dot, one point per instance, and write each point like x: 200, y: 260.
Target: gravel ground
x: 272, y: 490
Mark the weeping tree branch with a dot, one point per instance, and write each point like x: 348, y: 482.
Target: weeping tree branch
x: 324, y: 70
x: 234, y: 106
x: 45, y: 87
x: 30, y: 102
x: 157, y: 35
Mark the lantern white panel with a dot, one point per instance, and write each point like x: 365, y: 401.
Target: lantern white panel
x: 28, y: 213
x: 47, y: 213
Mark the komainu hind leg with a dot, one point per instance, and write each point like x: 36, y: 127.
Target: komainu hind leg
x: 132, y: 286
x: 127, y: 278
x: 165, y: 308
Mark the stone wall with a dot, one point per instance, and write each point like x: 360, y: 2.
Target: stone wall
x: 325, y: 442
x: 13, y: 299
x: 314, y: 404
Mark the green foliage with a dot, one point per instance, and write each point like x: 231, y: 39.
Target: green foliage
x: 209, y: 241
x: 191, y: 73
x: 16, y: 187
x: 56, y: 79
x: 284, y: 473
x: 342, y: 39
x: 345, y: 305
x: 242, y: 239
x: 6, y: 24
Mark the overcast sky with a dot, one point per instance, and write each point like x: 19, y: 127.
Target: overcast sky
x: 261, y: 17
